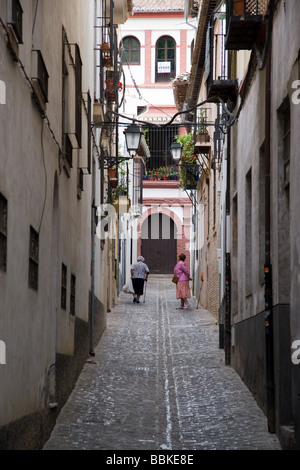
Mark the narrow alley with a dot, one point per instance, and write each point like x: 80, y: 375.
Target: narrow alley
x: 158, y: 381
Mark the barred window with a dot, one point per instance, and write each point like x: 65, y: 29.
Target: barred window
x: 17, y: 20
x: 72, y: 294
x: 63, y: 286
x: 33, y: 259
x: 78, y: 95
x: 3, y: 233
x: 165, y: 59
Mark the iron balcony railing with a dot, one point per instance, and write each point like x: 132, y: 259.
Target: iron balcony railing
x: 246, y: 7
x: 243, y: 20
x: 218, y: 77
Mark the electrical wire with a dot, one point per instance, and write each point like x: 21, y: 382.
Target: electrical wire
x: 46, y: 179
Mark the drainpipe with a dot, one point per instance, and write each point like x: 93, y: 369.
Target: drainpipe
x: 268, y: 266
x: 227, y: 320
x: 92, y: 307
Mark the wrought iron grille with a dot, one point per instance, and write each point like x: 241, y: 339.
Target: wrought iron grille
x: 42, y: 76
x: 33, y: 259
x: 16, y: 20
x: 159, y: 141
x: 3, y: 233
x: 68, y: 150
x: 72, y: 294
x: 247, y: 7
x: 63, y: 286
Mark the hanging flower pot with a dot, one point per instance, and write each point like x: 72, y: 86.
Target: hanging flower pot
x: 122, y: 205
x: 105, y: 51
x: 113, y: 182
x: 112, y: 172
x: 189, y: 176
x: 202, y: 138
x: 110, y: 89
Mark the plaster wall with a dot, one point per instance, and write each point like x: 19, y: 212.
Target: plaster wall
x: 248, y: 137
x: 29, y: 159
x: 247, y: 156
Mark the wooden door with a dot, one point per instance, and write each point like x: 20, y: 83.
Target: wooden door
x: 159, y: 243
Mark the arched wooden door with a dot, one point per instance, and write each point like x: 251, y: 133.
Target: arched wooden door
x: 159, y: 243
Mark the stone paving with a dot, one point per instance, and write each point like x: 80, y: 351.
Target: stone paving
x: 159, y: 382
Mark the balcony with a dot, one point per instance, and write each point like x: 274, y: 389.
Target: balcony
x: 244, y: 20
x: 219, y: 83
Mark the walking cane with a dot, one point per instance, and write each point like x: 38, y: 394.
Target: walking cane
x: 145, y: 292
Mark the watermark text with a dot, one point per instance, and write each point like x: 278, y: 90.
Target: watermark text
x: 2, y: 92
x: 2, y: 353
x: 296, y: 353
x: 296, y: 94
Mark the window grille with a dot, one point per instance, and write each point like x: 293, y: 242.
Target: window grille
x: 40, y: 74
x: 78, y: 97
x: 63, y: 286
x: 159, y: 142
x: 3, y: 233
x: 165, y: 55
x: 68, y: 150
x: 16, y: 21
x: 33, y: 259
x: 72, y: 294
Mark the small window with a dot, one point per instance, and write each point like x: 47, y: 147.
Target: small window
x: 192, y: 49
x: 33, y: 259
x: 63, y: 287
x: 40, y: 77
x: 72, y: 294
x: 131, y: 54
x: 16, y: 21
x: 3, y: 233
x: 165, y: 59
x: 68, y: 150
x: 286, y: 145
x: 78, y: 95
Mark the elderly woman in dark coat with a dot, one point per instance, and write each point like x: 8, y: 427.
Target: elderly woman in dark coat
x: 139, y: 274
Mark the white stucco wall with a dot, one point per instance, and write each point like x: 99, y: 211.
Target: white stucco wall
x: 29, y: 161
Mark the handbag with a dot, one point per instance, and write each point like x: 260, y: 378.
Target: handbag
x: 175, y: 279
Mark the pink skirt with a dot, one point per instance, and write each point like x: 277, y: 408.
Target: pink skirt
x: 183, y: 290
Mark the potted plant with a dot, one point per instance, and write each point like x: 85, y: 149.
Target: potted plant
x: 105, y: 50
x: 120, y: 190
x: 173, y: 174
x: 189, y: 165
x: 120, y: 199
x: 152, y: 174
x: 189, y: 176
x: 112, y: 172
x: 187, y: 144
x: 110, y: 89
x: 202, y: 135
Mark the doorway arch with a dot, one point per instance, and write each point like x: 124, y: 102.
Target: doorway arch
x: 159, y: 243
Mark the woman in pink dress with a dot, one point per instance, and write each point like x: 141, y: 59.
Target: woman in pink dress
x: 183, y: 291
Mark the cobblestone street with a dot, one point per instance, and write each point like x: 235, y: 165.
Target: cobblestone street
x: 158, y: 381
